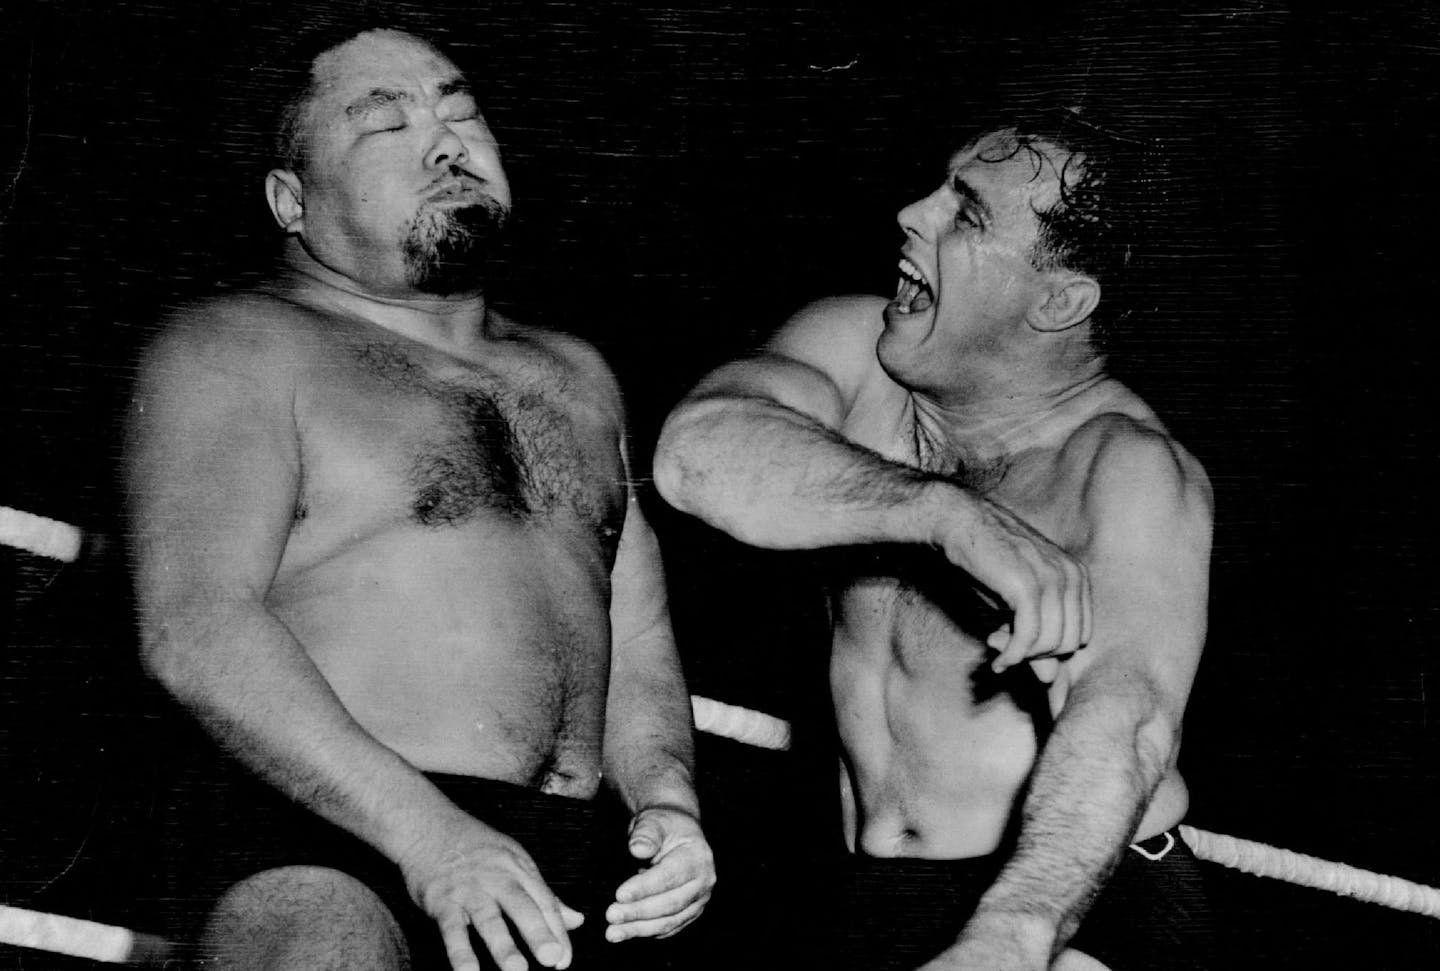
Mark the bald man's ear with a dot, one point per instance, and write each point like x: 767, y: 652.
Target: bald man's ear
x: 1072, y: 298
x: 283, y: 192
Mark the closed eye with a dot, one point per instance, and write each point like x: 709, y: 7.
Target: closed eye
x: 459, y: 108
x: 382, y: 121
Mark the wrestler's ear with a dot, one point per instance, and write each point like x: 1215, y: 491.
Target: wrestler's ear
x: 286, y: 198
x: 1069, y: 299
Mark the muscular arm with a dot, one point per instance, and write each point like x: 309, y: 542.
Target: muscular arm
x: 758, y: 450
x: 1117, y: 732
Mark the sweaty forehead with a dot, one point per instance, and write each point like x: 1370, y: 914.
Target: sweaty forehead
x: 1003, y: 162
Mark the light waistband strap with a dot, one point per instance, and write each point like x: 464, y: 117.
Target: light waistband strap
x: 1158, y: 854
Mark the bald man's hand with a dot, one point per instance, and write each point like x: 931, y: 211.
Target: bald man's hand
x: 465, y: 874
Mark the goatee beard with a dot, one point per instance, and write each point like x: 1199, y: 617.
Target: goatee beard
x: 445, y: 249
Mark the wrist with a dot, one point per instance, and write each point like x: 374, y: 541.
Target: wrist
x: 670, y: 801
x: 671, y: 789
x: 947, y: 514
x: 1028, y: 932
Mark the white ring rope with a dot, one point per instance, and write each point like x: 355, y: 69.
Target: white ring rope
x: 741, y: 724
x: 1247, y: 856
x: 78, y: 938
x: 101, y: 942
x: 117, y: 945
x: 1264, y: 860
x: 36, y: 534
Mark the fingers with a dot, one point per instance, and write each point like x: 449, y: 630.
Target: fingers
x: 497, y: 940
x: 674, y: 888
x: 542, y: 928
x: 1046, y: 589
x: 543, y: 932
x: 646, y: 839
x: 657, y: 927
x: 1046, y: 669
x: 546, y: 938
x: 658, y: 880
x: 573, y: 918
x: 659, y: 905
x: 455, y: 932
x: 1053, y: 614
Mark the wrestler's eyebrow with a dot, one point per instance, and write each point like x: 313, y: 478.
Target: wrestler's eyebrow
x: 454, y: 86
x: 375, y: 99
x: 967, y: 192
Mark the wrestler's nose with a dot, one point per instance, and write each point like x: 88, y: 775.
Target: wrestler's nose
x: 447, y: 149
x: 919, y: 218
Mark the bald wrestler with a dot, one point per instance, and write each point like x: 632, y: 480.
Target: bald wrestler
x: 387, y: 552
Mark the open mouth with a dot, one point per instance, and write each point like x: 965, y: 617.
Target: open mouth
x: 914, y: 293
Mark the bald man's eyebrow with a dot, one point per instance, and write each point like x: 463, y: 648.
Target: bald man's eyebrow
x: 376, y: 98
x: 453, y: 86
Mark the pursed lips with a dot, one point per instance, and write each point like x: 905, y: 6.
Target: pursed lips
x: 458, y: 187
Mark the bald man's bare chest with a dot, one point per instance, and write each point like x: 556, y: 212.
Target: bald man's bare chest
x: 395, y: 434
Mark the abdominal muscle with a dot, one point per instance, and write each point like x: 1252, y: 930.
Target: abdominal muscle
x: 933, y: 768
x: 481, y: 650
x: 935, y: 758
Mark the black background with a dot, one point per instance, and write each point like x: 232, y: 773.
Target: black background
x: 686, y: 177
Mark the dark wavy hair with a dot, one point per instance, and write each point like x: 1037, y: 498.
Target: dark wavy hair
x: 1112, y: 191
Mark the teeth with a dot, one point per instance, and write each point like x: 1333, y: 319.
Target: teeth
x: 913, y: 293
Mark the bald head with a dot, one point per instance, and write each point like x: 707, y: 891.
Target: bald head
x: 324, y: 59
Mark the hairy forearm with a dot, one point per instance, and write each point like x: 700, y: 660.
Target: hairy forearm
x: 774, y: 478
x: 1107, y: 754
x: 241, y: 672
x: 649, y: 749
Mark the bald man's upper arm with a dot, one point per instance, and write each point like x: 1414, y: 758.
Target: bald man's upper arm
x: 213, y: 462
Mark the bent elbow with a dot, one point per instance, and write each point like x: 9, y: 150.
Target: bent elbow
x: 1157, y: 743
x: 678, y: 475
x: 166, y: 661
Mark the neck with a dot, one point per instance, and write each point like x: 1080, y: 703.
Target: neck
x: 445, y: 321
x: 992, y: 423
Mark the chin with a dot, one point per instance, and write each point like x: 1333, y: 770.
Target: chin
x: 446, y: 249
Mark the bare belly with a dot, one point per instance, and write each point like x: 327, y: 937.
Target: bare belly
x: 937, y: 750
x: 481, y: 650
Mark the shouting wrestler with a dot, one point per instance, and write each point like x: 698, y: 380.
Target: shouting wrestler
x: 963, y: 449
x: 387, y: 552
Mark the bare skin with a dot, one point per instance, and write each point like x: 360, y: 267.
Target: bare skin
x: 381, y: 532
x: 965, y: 431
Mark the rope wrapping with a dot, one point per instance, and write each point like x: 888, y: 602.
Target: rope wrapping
x: 66, y: 935
x: 1264, y: 860
x: 740, y: 724
x: 36, y: 534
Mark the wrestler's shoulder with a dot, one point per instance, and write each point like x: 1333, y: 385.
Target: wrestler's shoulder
x: 238, y: 330
x: 836, y: 336
x: 851, y: 321
x: 1130, y: 463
